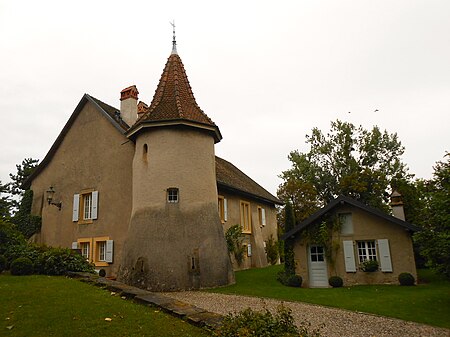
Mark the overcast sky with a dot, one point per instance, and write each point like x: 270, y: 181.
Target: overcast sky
x: 266, y: 72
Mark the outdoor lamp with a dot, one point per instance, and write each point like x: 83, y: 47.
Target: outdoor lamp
x: 50, y: 192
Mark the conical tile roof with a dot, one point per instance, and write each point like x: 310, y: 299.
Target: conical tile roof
x: 174, y: 102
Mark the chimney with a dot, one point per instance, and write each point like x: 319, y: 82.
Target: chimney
x: 128, y: 104
x: 141, y: 108
x: 397, y: 205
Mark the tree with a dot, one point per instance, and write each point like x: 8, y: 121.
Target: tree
x: 24, y: 170
x: 350, y: 161
x: 5, y: 203
x: 434, y: 239
x: 289, y: 262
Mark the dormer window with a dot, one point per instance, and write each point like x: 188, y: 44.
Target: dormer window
x: 172, y: 195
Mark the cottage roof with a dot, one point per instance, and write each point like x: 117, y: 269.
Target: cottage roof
x: 341, y: 200
x: 229, y: 177
x: 174, y: 103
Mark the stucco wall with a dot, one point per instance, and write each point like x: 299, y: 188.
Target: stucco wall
x: 259, y: 233
x: 365, y: 227
x: 93, y: 155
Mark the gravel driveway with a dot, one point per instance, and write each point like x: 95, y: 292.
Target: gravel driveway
x: 337, y: 322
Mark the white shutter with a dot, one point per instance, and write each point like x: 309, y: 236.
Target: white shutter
x: 225, y: 209
x: 349, y: 257
x: 263, y: 216
x: 76, y: 205
x: 249, y: 250
x: 94, y: 204
x: 74, y: 245
x: 385, y: 255
x: 109, y: 251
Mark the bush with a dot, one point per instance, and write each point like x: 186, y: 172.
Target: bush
x: 58, y: 261
x: 254, y: 323
x: 406, y: 279
x: 335, y: 281
x: 369, y: 266
x: 9, y: 236
x: 291, y: 280
x: 272, y: 250
x: 2, y: 263
x: 22, y: 266
x: 31, y: 252
x: 102, y: 273
x: 234, y: 239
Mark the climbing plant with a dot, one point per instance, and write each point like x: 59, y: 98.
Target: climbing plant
x: 234, y: 239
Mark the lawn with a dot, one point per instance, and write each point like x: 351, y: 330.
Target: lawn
x: 427, y: 303
x: 57, y: 306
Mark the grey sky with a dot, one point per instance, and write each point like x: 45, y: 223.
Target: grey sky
x: 265, y: 72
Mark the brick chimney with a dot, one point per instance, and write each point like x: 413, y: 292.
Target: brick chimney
x: 141, y: 108
x: 397, y: 205
x: 128, y: 104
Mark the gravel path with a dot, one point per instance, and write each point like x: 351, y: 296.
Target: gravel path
x: 337, y: 322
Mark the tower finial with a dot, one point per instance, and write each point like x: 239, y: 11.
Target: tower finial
x: 174, y: 41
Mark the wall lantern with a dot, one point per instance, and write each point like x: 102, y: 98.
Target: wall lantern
x: 50, y: 193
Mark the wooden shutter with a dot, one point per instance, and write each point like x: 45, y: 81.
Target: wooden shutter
x: 263, y: 216
x: 225, y: 209
x: 349, y: 257
x: 94, y: 204
x: 74, y: 245
x: 109, y: 251
x: 385, y: 255
x: 76, y: 205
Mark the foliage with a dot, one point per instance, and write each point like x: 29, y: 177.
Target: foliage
x: 424, y: 303
x: 24, y: 170
x: 350, y: 161
x: 5, y: 202
x: 2, y: 263
x: 272, y: 250
x: 21, y: 266
x: 234, y: 239
x: 369, y: 266
x: 255, y: 323
x: 406, y: 279
x: 58, y: 261
x: 290, y: 280
x: 335, y: 281
x: 289, y: 261
x: 27, y: 223
x: 9, y: 236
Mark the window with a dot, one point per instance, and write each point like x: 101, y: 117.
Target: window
x: 367, y: 251
x: 246, y: 220
x: 261, y: 216
x: 317, y: 254
x: 85, y: 206
x: 85, y: 247
x: 223, y: 211
x: 101, y: 251
x: 346, y: 222
x: 172, y: 195
x: 98, y: 250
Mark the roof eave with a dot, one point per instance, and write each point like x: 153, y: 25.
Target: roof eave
x: 248, y: 194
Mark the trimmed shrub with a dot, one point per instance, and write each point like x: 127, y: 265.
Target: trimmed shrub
x: 272, y: 250
x: 335, y: 281
x: 22, y: 266
x: 58, y: 261
x: 406, y: 279
x: 102, y: 273
x: 2, y: 263
x: 289, y: 280
x: 369, y: 266
x: 31, y: 252
x: 264, y: 323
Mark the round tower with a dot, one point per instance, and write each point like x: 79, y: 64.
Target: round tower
x: 175, y: 238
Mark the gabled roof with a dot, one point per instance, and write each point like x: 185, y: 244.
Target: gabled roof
x: 111, y: 113
x: 346, y: 200
x: 230, y: 178
x: 174, y: 103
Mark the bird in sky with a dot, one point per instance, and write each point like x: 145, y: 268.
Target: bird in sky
x: 376, y: 110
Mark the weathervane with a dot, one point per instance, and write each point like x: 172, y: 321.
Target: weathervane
x: 174, y: 42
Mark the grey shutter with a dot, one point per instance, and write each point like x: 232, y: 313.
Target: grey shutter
x: 74, y: 245
x: 249, y: 250
x: 76, y: 205
x: 263, y: 216
x: 349, y: 257
x: 385, y: 255
x: 94, y: 204
x: 225, y: 209
x: 109, y: 251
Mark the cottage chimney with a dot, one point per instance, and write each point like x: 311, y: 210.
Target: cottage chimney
x: 397, y: 205
x: 128, y: 104
x: 141, y: 108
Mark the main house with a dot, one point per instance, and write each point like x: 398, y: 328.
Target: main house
x: 140, y: 192
x: 356, y: 233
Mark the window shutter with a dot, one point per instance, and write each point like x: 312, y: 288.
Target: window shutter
x: 76, y: 205
x: 109, y: 251
x: 249, y: 250
x: 74, y: 245
x: 385, y: 255
x: 94, y: 204
x: 225, y: 209
x: 349, y: 257
x: 263, y: 216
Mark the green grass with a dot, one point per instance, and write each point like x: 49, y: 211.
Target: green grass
x: 57, y: 306
x: 427, y: 303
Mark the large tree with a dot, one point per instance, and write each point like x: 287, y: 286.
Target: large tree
x: 24, y: 170
x: 348, y: 160
x: 5, y: 202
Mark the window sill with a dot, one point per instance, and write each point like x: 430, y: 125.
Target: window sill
x: 85, y: 222
x: 101, y: 264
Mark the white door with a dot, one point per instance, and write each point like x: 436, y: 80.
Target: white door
x: 318, y: 275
